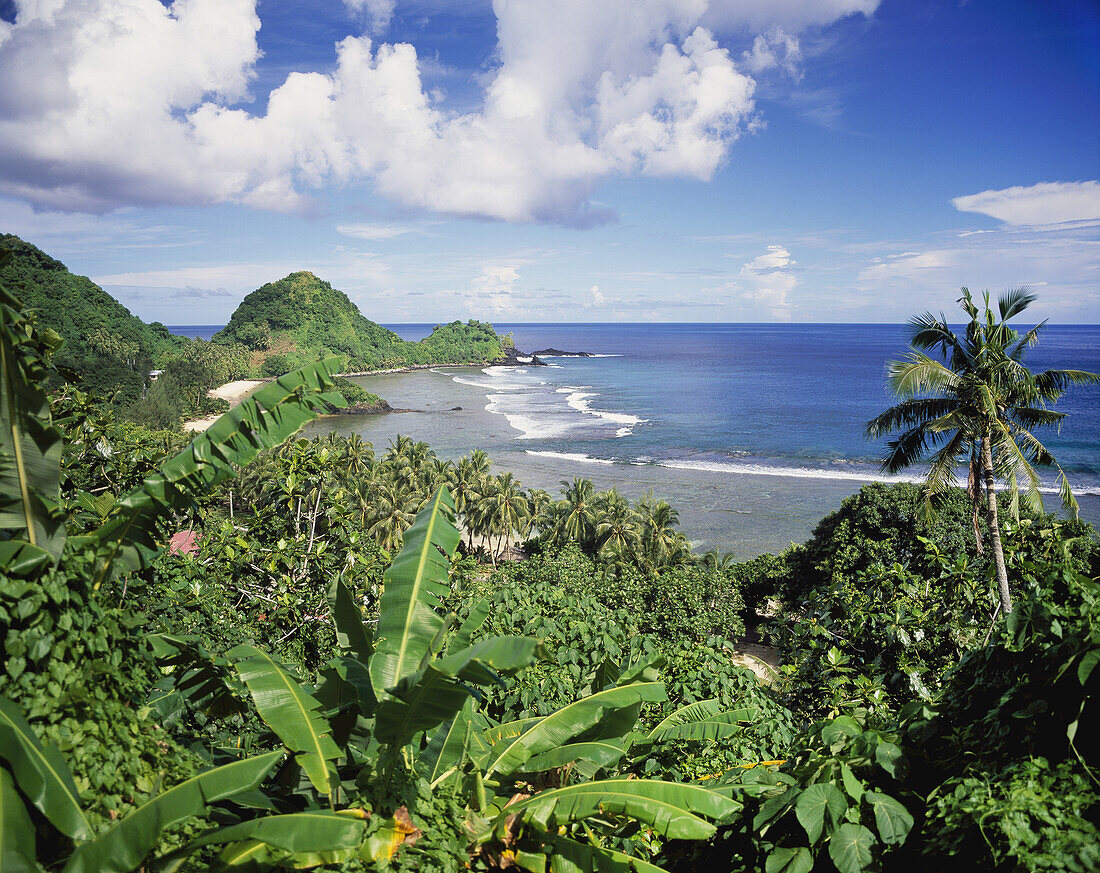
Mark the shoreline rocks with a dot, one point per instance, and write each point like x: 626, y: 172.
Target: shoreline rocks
x: 558, y: 353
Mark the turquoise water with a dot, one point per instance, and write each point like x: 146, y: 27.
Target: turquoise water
x: 753, y: 432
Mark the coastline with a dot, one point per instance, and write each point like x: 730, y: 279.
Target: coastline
x: 241, y: 389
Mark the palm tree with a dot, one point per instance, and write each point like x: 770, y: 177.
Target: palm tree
x: 577, y: 519
x: 503, y: 509
x: 393, y: 512
x: 716, y: 562
x: 660, y: 543
x: 617, y: 533
x: 976, y: 402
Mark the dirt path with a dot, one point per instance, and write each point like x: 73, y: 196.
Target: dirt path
x: 762, y: 660
x: 232, y: 393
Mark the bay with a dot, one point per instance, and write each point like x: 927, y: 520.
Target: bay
x: 753, y: 432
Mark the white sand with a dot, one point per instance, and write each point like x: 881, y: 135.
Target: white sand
x: 232, y: 393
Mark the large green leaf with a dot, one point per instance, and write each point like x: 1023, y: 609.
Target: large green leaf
x: 30, y: 446
x: 789, y: 860
x: 598, y: 754
x: 351, y: 634
x: 294, y: 715
x: 433, y: 695
x: 16, y: 831
x: 265, y: 419
x: 672, y: 809
x: 311, y: 831
x: 196, y: 678
x: 819, y: 809
x: 41, y: 774
x: 415, y: 582
x: 569, y: 856
x: 447, y: 743
x: 703, y: 720
x: 892, y: 819
x: 571, y: 722
x: 127, y: 844
x: 850, y: 848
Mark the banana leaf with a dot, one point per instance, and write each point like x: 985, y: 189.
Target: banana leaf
x: 346, y: 680
x: 198, y: 679
x: 293, y: 714
x: 265, y: 419
x: 572, y: 721
x: 569, y: 856
x: 311, y: 831
x: 16, y: 831
x: 433, y: 695
x: 414, y: 585
x: 129, y: 842
x: 596, y: 754
x: 672, y: 809
x: 703, y: 720
x: 41, y: 774
x: 447, y: 743
x: 30, y: 446
x: 351, y: 634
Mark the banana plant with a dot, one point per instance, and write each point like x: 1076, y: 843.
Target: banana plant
x: 528, y: 786
x: 37, y: 775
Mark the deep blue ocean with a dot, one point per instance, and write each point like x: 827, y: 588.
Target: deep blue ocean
x: 739, y: 423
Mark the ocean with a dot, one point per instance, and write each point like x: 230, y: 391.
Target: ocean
x: 753, y: 432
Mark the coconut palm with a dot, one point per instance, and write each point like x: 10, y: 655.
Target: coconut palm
x: 577, y: 519
x: 503, y: 509
x: 618, y: 537
x: 393, y: 510
x: 358, y: 455
x: 715, y: 561
x: 974, y: 401
x: 660, y: 543
x: 538, y: 502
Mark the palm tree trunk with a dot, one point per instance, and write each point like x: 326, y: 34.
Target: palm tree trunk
x: 995, y: 527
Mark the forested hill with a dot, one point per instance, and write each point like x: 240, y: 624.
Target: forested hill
x: 301, y: 318
x: 109, y: 348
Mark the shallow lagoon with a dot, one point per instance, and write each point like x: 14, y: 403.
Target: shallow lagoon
x: 754, y: 432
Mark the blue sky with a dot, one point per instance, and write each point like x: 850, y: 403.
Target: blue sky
x: 631, y: 160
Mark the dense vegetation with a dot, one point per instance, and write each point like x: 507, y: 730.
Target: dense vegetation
x: 106, y: 348
x: 301, y: 319
x: 308, y: 665
x: 277, y: 328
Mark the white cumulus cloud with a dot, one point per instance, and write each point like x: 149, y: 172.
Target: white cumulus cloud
x: 1045, y: 203
x: 107, y: 103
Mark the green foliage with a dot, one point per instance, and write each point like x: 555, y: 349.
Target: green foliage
x: 576, y: 710
x: 839, y: 796
x: 300, y: 318
x: 1030, y: 815
x: 105, y: 346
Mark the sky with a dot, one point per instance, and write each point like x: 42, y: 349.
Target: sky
x: 560, y: 160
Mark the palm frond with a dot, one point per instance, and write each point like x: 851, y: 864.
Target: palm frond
x: 917, y: 374
x: 909, y: 413
x: 1014, y: 301
x: 1031, y: 416
x: 928, y: 331
x: 1052, y: 384
x: 1027, y: 341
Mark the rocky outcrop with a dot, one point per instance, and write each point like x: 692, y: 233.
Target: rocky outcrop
x: 512, y: 357
x: 558, y: 353
x: 363, y: 408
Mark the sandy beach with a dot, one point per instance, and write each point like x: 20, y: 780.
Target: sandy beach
x: 232, y: 393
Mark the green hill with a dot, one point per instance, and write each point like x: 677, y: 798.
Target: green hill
x: 301, y: 318
x: 107, y: 347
